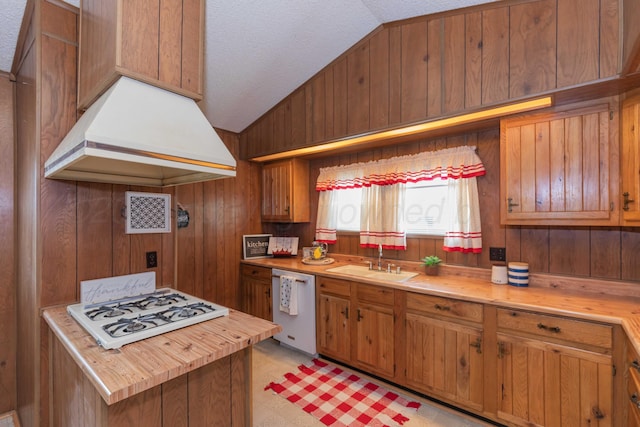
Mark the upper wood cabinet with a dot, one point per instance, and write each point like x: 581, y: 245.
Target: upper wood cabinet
x: 561, y: 168
x: 158, y: 42
x: 285, y: 191
x: 630, y: 160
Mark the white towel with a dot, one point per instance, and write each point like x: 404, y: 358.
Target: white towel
x: 289, y: 295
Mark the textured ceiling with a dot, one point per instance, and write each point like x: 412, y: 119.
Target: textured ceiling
x: 259, y: 51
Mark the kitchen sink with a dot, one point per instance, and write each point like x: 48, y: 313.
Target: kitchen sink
x: 364, y: 272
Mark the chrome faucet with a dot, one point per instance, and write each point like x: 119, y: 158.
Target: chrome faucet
x: 380, y: 256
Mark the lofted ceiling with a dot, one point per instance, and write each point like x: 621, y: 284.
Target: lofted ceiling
x: 259, y: 51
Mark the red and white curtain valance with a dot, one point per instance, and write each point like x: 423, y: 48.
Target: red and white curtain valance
x: 383, y: 197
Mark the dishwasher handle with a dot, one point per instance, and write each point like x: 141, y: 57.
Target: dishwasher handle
x: 276, y: 276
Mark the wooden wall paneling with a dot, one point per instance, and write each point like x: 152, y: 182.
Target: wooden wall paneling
x: 513, y: 243
x: 170, y: 33
x: 358, y: 89
x: 192, y: 45
x: 495, y: 55
x: 197, y: 274
x: 578, y: 41
x: 308, y: 113
x: 605, y: 256
x: 328, y: 103
x: 454, y: 73
x: 395, y: 75
x: 57, y: 198
x: 95, y: 232
x: 140, y: 37
x: 298, y: 118
x: 140, y: 244
x: 535, y: 250
x: 175, y: 402
x: 569, y: 251
x: 493, y: 235
x: 121, y: 240
x: 318, y: 108
x: 435, y: 60
x: 229, y: 283
x: 279, y: 129
x: 213, y: 234
x: 532, y: 48
x: 413, y: 68
x: 473, y: 60
x: 379, y: 80
x: 340, y: 90
x: 8, y: 247
x: 629, y: 248
x: 186, y: 241
x: 609, y: 37
x: 166, y: 255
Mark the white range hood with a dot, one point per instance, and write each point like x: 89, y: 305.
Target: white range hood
x: 139, y: 134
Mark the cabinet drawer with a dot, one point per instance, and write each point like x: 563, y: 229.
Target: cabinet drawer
x: 256, y: 272
x: 375, y: 294
x: 572, y: 330
x: 445, y: 307
x: 334, y: 286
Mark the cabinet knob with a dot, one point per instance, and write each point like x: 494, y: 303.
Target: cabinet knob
x: 627, y: 200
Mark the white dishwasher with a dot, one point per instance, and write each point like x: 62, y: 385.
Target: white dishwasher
x: 298, y: 330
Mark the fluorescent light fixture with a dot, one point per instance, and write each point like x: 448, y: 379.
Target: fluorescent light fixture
x: 416, y: 129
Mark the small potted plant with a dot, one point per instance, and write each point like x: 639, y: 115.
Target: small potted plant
x: 431, y: 264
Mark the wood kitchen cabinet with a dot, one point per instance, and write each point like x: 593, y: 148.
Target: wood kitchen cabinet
x: 633, y: 386
x: 554, y: 371
x: 444, y: 349
x: 256, y: 282
x: 374, y: 346
x: 285, y: 191
x: 561, y: 167
x: 630, y: 159
x: 333, y: 318
x: 160, y: 43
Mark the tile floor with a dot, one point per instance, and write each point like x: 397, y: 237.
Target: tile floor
x: 271, y: 361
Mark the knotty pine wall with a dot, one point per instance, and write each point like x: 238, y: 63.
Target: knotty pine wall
x: 7, y: 254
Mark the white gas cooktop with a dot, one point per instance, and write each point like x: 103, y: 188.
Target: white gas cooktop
x: 123, y: 321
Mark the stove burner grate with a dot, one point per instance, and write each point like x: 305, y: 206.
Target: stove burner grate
x: 184, y: 312
x: 106, y: 311
x: 126, y: 326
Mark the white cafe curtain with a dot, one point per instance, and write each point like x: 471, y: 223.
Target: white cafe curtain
x: 383, y: 187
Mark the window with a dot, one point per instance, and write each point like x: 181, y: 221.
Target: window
x: 426, y: 210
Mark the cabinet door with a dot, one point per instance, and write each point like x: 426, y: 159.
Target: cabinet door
x: 545, y: 384
x: 285, y: 191
x: 560, y: 168
x: 334, y: 338
x: 258, y: 298
x: 375, y: 338
x: 445, y: 359
x: 630, y: 160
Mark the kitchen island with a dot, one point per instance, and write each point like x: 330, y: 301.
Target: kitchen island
x: 199, y: 375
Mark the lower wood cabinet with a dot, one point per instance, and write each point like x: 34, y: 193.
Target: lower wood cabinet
x: 517, y: 367
x: 333, y: 318
x: 355, y: 324
x: 554, y: 371
x: 633, y: 387
x: 256, y: 284
x: 444, y: 349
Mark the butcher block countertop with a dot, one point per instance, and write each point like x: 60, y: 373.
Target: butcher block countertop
x: 120, y: 373
x: 612, y: 302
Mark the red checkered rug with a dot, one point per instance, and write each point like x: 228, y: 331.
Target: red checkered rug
x: 339, y: 398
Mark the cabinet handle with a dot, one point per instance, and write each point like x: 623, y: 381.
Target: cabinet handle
x: 553, y: 329
x: 442, y: 307
x: 627, y: 200
x: 510, y: 205
x: 478, y: 345
x: 269, y: 292
x: 501, y: 351
x: 634, y: 400
x: 360, y: 316
x: 635, y: 365
x: 346, y: 312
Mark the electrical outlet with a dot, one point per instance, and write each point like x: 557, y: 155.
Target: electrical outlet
x: 497, y: 254
x: 152, y: 259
